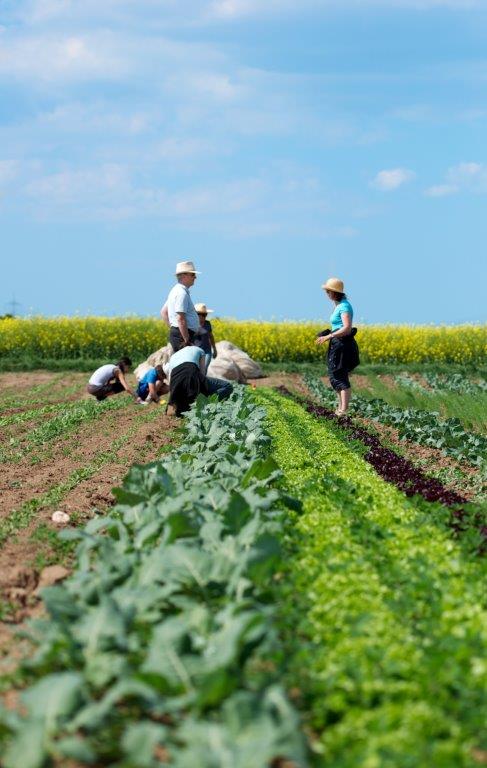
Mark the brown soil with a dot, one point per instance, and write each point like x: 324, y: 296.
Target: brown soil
x: 17, y: 381
x: 358, y: 380
x: 24, y: 481
x: 292, y: 381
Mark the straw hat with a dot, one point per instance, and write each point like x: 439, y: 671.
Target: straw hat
x: 334, y: 284
x: 202, y: 309
x: 186, y: 266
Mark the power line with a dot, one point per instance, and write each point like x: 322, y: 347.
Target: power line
x: 13, y: 305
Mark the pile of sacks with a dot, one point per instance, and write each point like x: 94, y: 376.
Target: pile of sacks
x: 231, y: 363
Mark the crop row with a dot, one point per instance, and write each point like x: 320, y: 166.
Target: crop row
x: 386, y: 621
x: 67, y: 418
x: 465, y: 519
x: 454, y: 382
x: 159, y: 648
x: 38, y: 393
x: 103, y: 337
x: 21, y: 517
x: 422, y: 427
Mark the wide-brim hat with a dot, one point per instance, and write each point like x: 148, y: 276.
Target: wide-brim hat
x: 186, y: 266
x: 334, y: 284
x: 202, y: 309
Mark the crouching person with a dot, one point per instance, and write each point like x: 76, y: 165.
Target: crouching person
x: 151, y: 386
x: 187, y: 379
x: 109, y: 380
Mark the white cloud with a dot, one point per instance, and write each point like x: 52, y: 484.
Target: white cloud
x: 63, y: 58
x: 466, y: 177
x: 441, y: 190
x: 124, y: 55
x: 278, y: 200
x: 236, y: 9
x: 218, y: 86
x: 94, y: 117
x: 191, y: 13
x: 389, y: 180
x: 70, y: 186
x: 466, y: 173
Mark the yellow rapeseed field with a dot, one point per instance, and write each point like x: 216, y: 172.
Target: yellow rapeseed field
x: 110, y: 337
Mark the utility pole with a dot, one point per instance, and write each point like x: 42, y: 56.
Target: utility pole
x: 13, y: 305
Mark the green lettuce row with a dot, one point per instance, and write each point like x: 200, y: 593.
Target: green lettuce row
x: 422, y: 427
x: 386, y: 616
x: 161, y: 646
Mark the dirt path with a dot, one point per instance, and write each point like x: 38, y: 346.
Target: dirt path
x: 76, y: 474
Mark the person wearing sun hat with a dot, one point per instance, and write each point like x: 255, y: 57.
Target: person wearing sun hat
x: 204, y: 335
x: 343, y: 354
x: 178, y: 312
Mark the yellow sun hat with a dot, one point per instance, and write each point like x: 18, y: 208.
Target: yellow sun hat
x: 334, y: 284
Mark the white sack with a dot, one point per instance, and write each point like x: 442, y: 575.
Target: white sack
x: 249, y: 367
x: 160, y: 357
x: 223, y: 367
x: 141, y: 370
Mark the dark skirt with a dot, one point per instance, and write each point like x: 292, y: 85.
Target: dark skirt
x: 343, y: 354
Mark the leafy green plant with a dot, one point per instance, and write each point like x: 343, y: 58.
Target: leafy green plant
x: 422, y: 427
x: 385, y: 614
x: 149, y: 652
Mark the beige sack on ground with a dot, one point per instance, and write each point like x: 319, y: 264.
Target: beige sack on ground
x: 249, y: 367
x: 160, y: 357
x: 223, y: 367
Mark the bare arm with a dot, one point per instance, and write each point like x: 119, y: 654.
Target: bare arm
x: 347, y: 327
x: 165, y: 315
x: 213, y: 345
x: 153, y: 392
x: 119, y: 375
x: 345, y: 331
x: 183, y: 326
x: 203, y: 365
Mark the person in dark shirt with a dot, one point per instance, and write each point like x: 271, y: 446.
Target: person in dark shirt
x: 204, y: 338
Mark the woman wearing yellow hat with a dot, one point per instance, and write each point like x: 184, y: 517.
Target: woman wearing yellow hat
x: 343, y: 350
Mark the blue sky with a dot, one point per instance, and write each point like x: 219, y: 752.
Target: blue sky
x: 274, y: 142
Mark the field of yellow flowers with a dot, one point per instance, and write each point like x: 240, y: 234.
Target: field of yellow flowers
x: 104, y: 337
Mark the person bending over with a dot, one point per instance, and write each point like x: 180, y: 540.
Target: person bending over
x: 109, y: 380
x: 187, y: 379
x: 151, y: 386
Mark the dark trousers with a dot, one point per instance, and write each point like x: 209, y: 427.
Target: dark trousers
x: 176, y: 340
x: 102, y: 392
x: 219, y: 387
x: 339, y: 379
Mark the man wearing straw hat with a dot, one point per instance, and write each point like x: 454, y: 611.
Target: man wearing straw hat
x: 178, y: 312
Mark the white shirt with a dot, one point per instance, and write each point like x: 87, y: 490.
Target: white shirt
x: 103, y: 375
x: 179, y: 300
